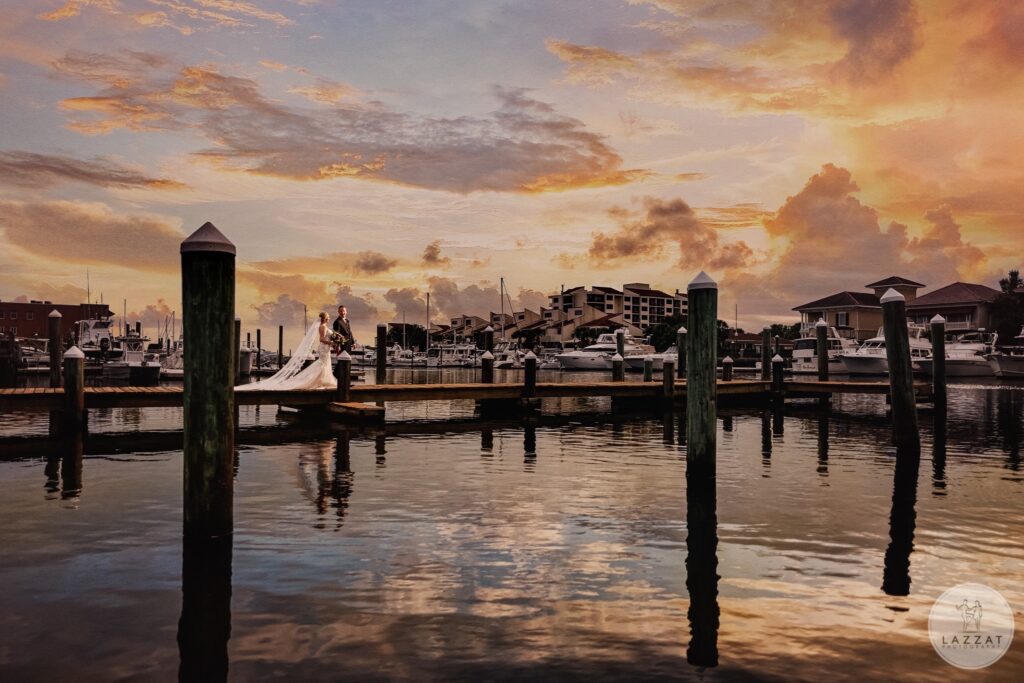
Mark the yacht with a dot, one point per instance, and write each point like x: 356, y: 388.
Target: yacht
x: 508, y: 355
x: 805, y: 353
x: 96, y: 340
x: 598, y: 356
x: 136, y: 365
x: 1009, y: 361
x: 452, y: 355
x: 870, y: 358
x: 966, y: 356
x: 636, y: 362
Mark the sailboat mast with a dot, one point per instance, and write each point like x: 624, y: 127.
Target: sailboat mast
x: 501, y: 295
x: 428, y: 321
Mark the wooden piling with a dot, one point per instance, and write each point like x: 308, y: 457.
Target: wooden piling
x: 727, y: 364
x: 489, y: 338
x: 487, y: 368
x: 248, y: 340
x: 821, y: 338
x: 668, y: 380
x: 259, y: 348
x: 681, y: 352
x: 618, y: 368
x: 701, y: 380
x: 382, y: 353
x: 648, y: 369
x: 901, y: 373
x: 766, y: 354
x: 620, y: 341
x: 777, y: 381
x: 74, y: 417
x: 343, y: 373
x: 280, y: 346
x: 530, y: 375
x: 55, y: 347
x: 211, y: 366
x: 236, y: 349
x: 938, y: 328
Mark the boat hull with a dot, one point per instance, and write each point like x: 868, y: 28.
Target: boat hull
x: 584, y: 361
x: 804, y: 367
x: 1006, y: 366
x: 959, y: 367
x: 636, y: 363
x: 865, y: 365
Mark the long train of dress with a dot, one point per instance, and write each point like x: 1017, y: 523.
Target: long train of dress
x: 318, y: 375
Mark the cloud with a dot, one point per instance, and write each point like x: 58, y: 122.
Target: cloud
x: 206, y: 14
x: 645, y: 236
x: 325, y: 91
x: 406, y: 300
x: 273, y: 66
x: 880, y: 35
x: 284, y: 310
x: 360, y: 308
x: 432, y: 256
x: 152, y: 315
x: 524, y: 145
x: 299, y: 287
x: 45, y: 291
x: 331, y: 264
x: 27, y: 169
x: 92, y: 233
x: 373, y: 263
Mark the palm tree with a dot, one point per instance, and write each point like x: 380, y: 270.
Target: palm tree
x: 1012, y: 282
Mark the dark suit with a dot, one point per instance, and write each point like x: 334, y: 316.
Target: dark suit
x: 342, y: 327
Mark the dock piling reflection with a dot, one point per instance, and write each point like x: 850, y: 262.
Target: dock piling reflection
x: 902, y: 521
x: 205, y: 625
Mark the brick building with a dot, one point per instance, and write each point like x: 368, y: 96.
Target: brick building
x: 29, y: 319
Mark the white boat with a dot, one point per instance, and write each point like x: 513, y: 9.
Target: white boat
x: 452, y: 355
x: 598, y: 356
x: 636, y: 362
x: 1009, y: 361
x: 96, y: 340
x: 136, y: 366
x: 173, y: 365
x: 805, y: 353
x: 870, y: 359
x: 508, y: 355
x: 966, y: 356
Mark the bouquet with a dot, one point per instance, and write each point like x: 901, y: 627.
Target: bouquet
x: 338, y: 340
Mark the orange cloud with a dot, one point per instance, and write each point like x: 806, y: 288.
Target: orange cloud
x: 26, y: 169
x: 333, y: 264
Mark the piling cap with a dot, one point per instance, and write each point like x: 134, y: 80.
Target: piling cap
x: 892, y: 295
x: 74, y: 352
x: 777, y: 359
x: 938, y: 320
x: 617, y: 358
x: 208, y: 238
x: 821, y: 323
x: 381, y: 324
x: 681, y: 329
x: 621, y: 330
x: 702, y: 281
x: 727, y: 359
x: 55, y: 314
x: 487, y: 356
x: 530, y: 355
x: 488, y: 329
x: 344, y: 356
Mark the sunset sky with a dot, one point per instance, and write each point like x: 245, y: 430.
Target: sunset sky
x: 372, y: 150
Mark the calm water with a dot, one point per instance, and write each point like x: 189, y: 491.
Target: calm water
x: 551, y: 551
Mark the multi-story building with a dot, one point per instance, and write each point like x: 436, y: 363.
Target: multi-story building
x: 643, y: 306
x: 29, y: 319
x: 855, y: 315
x: 964, y: 305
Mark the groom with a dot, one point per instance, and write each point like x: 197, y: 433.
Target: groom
x: 341, y: 326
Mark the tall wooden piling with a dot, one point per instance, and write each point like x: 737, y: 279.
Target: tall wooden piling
x: 821, y: 337
x: 701, y: 380
x: 236, y: 349
x: 648, y: 369
x: 74, y: 417
x: 530, y: 375
x: 280, y: 346
x: 668, y: 379
x: 938, y: 329
x: 382, y: 353
x: 618, y: 368
x: 248, y: 340
x: 620, y: 341
x: 766, y: 354
x: 211, y: 366
x: 777, y: 379
x: 901, y: 373
x: 727, y: 364
x: 55, y: 347
x: 681, y: 352
x: 487, y: 368
x: 343, y: 374
x: 489, y: 338
x: 259, y: 348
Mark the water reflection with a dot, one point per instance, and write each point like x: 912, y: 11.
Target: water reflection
x: 902, y: 520
x: 205, y: 624
x: 766, y: 442
x: 71, y: 468
x: 939, y: 453
x: 1009, y: 423
x: 702, y: 565
x: 486, y: 442
x: 823, y: 445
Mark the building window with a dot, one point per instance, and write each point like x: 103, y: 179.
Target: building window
x: 30, y: 316
x: 14, y: 316
x: 842, y: 319
x: 3, y: 314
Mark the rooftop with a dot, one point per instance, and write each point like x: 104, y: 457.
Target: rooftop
x: 894, y: 281
x: 649, y: 292
x: 956, y: 293
x: 842, y: 299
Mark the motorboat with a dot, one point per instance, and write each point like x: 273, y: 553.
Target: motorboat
x: 966, y: 356
x: 635, y: 362
x: 870, y: 357
x: 136, y: 366
x: 452, y: 355
x: 598, y: 356
x: 96, y: 340
x: 508, y: 355
x: 805, y: 353
x: 1008, y: 362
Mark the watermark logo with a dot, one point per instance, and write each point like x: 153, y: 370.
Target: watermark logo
x: 971, y: 626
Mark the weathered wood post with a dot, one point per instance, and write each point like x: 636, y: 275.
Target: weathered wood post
x: 236, y: 350
x: 901, y: 373
x: 211, y: 367
x: 681, y: 352
x: 668, y: 380
x: 487, y: 368
x: 489, y: 338
x: 766, y: 354
x: 938, y: 325
x: 259, y: 348
x: 248, y: 340
x: 55, y: 347
x: 280, y: 346
x: 778, y: 385
x: 648, y: 369
x: 727, y: 364
x: 701, y: 379
x: 821, y: 339
x: 778, y: 345
x: 382, y: 353
x: 620, y: 341
x: 530, y: 375
x: 74, y: 417
x: 343, y: 373
x: 618, y: 368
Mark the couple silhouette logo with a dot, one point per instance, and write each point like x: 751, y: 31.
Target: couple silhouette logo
x: 971, y: 614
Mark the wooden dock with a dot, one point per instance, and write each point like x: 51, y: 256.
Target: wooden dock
x: 45, y: 400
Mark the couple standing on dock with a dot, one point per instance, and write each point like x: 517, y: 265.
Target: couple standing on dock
x: 319, y: 374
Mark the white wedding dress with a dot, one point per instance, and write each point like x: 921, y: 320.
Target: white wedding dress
x: 292, y: 376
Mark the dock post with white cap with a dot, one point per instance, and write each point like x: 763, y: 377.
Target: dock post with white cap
x: 648, y: 369
x: 618, y: 368
x: 727, y: 364
x: 821, y: 337
x: 56, y: 349
x: 681, y: 352
x: 901, y: 373
x: 487, y: 368
x: 343, y: 374
x: 778, y: 363
x: 530, y: 375
x: 938, y: 330
x: 766, y: 354
x: 382, y: 354
x: 74, y: 418
x: 701, y: 380
x: 211, y: 368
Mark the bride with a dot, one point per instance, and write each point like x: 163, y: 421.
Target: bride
x: 318, y: 375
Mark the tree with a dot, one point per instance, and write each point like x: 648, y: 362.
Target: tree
x: 1008, y: 308
x: 786, y: 331
x: 586, y: 335
x: 414, y: 337
x: 663, y: 335
x: 1011, y: 283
